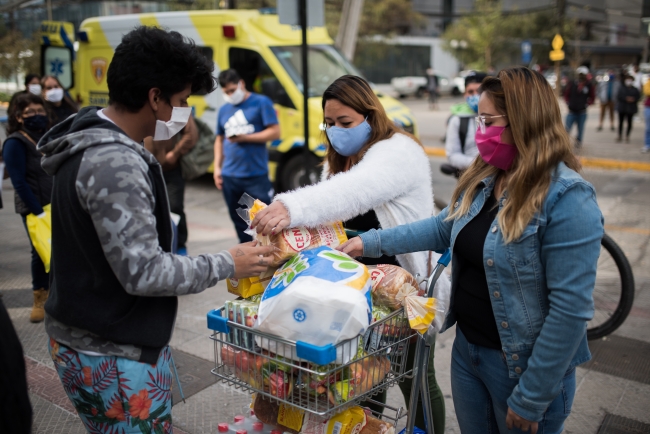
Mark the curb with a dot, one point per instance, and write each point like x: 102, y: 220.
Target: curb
x: 599, y: 163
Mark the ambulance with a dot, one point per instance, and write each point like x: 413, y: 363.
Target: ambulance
x: 264, y: 52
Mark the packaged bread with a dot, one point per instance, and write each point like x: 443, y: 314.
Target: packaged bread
x: 289, y: 242
x: 394, y: 287
x: 377, y: 426
x: 363, y: 376
x: 389, y: 284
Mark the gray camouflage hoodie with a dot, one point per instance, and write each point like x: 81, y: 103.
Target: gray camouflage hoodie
x: 113, y: 187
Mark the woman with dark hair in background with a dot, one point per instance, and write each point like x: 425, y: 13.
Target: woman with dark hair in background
x: 375, y: 175
x: 27, y: 123
x: 58, y: 103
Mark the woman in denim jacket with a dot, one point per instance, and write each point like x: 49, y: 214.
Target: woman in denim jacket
x: 525, y: 229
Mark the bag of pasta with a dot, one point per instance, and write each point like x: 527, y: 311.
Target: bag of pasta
x: 291, y: 241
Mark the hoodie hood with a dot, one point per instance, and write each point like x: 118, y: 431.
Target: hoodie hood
x: 80, y: 132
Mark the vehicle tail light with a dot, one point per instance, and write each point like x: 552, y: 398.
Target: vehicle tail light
x: 228, y: 31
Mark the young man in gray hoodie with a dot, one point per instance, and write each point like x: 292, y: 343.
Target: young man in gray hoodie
x: 114, y: 282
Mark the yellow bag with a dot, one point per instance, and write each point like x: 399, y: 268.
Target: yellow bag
x: 40, y: 232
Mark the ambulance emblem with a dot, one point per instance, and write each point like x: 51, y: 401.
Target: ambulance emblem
x: 98, y: 66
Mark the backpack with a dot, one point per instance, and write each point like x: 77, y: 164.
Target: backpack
x: 462, y: 130
x: 447, y: 168
x: 197, y: 162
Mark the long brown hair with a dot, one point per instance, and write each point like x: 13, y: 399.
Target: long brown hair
x: 541, y: 140
x: 357, y: 94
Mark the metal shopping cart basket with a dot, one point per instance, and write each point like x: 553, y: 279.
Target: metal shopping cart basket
x: 305, y: 376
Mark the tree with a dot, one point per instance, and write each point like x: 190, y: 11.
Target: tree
x: 491, y: 36
x: 379, y: 17
x: 14, y: 51
x: 482, y: 32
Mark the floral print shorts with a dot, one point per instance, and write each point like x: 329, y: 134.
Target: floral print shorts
x: 114, y: 395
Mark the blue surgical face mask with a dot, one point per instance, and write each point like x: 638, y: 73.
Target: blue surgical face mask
x: 349, y: 141
x: 472, y: 102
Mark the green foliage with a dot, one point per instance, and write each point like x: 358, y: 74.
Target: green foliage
x: 5, y: 97
x: 16, y: 54
x: 493, y: 37
x: 482, y: 31
x: 379, y: 17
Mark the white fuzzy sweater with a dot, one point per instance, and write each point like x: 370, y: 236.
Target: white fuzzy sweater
x: 393, y: 179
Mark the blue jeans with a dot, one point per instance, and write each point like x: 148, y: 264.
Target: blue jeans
x: 646, y: 112
x: 259, y: 187
x: 40, y: 279
x: 480, y: 387
x: 576, y: 117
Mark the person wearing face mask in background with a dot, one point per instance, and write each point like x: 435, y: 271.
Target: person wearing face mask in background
x: 524, y: 229
x: 375, y: 175
x: 579, y: 95
x: 114, y: 281
x: 169, y: 153
x: 460, y: 145
x: 627, y: 101
x: 27, y: 123
x: 244, y: 125
x: 607, y: 93
x: 58, y: 102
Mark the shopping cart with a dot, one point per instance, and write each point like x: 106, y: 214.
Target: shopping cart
x: 305, y: 376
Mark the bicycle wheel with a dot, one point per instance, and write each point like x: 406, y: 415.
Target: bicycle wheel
x: 614, y: 290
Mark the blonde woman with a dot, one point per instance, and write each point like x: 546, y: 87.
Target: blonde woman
x: 375, y: 176
x: 525, y: 229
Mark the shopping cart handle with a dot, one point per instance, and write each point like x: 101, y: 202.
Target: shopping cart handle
x: 445, y: 259
x: 218, y: 323
x: 321, y: 355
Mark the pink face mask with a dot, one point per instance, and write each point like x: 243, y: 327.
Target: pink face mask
x: 493, y: 151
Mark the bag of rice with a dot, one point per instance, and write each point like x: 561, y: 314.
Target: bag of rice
x: 320, y: 297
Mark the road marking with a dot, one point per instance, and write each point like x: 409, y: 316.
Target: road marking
x: 639, y: 231
x: 602, y: 163
x: 435, y: 152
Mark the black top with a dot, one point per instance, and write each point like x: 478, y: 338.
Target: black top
x: 60, y: 113
x: 15, y: 409
x: 38, y: 181
x: 472, y: 304
x: 363, y: 223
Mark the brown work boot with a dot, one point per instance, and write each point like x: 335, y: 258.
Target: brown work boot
x: 38, y: 310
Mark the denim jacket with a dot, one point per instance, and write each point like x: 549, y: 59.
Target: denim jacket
x: 540, y: 285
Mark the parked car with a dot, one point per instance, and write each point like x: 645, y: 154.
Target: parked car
x: 417, y: 85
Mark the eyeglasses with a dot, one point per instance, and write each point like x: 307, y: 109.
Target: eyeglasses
x: 480, y: 121
x: 29, y: 113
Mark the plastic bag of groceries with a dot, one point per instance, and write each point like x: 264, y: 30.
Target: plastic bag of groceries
x: 394, y: 287
x: 290, y: 241
x: 321, y: 297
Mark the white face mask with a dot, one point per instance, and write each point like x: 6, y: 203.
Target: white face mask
x: 237, y: 96
x: 629, y: 82
x: 35, y: 89
x: 54, y: 95
x: 178, y: 120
